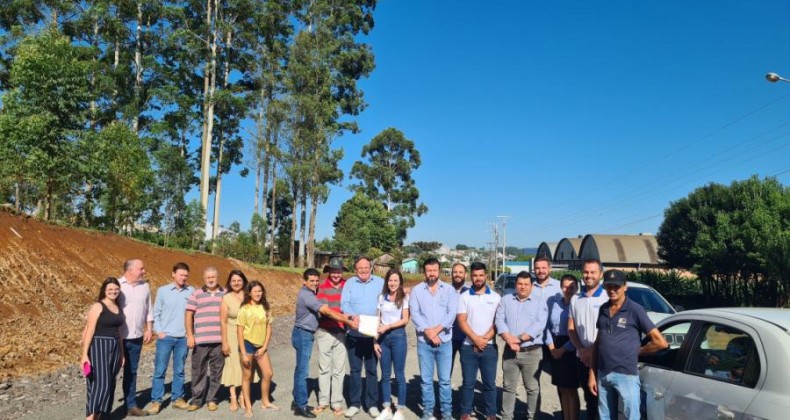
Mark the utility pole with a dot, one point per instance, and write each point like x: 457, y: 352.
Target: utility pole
x: 504, y: 240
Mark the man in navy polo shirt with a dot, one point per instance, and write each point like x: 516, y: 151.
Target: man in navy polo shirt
x: 621, y: 323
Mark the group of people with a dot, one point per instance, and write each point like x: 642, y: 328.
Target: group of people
x: 545, y: 324
x: 227, y: 329
x: 589, y: 339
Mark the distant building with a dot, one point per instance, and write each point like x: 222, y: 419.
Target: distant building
x: 410, y: 266
x: 518, y: 266
x: 383, y: 263
x: 622, y: 251
x: 546, y: 249
x: 630, y: 252
x: 567, y: 251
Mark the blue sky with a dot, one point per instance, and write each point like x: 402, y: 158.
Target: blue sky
x: 571, y: 118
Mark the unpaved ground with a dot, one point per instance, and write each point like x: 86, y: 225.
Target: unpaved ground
x: 49, y: 274
x: 61, y: 395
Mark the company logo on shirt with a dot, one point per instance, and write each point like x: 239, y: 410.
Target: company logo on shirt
x: 621, y: 322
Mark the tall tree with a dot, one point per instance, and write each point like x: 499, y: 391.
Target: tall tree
x: 386, y: 175
x: 50, y: 97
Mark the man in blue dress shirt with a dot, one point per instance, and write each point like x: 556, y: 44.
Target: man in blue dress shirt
x: 433, y: 305
x: 360, y: 297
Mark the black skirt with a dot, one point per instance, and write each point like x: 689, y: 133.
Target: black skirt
x: 563, y: 370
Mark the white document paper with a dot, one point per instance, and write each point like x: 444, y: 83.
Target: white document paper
x: 369, y: 325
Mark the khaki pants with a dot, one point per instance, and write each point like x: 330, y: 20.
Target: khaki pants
x: 332, y: 359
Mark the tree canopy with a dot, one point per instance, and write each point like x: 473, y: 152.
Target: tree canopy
x: 736, y: 238
x: 386, y: 175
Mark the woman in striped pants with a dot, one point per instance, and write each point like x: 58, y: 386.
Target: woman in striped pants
x: 102, y: 357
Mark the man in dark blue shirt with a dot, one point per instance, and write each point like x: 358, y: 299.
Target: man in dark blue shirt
x: 621, y: 323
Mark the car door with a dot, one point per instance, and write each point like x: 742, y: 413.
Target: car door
x: 719, y: 376
x: 656, y: 371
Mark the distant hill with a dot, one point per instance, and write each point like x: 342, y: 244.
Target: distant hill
x: 529, y: 251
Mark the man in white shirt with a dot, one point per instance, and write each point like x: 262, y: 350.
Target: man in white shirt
x: 476, y: 311
x: 582, y: 329
x: 135, y: 302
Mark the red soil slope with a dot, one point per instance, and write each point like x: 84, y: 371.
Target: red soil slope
x: 50, y: 275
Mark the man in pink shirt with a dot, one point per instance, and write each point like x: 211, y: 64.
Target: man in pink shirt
x: 135, y: 301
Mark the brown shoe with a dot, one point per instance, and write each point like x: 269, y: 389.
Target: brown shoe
x: 193, y: 407
x: 136, y: 412
x: 181, y: 404
x: 212, y: 406
x: 155, y: 408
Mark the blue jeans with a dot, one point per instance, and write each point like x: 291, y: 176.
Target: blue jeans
x: 441, y: 357
x: 131, y: 352
x: 176, y: 346
x: 393, y: 352
x: 360, y: 351
x: 627, y: 386
x: 302, y: 341
x: 486, y: 362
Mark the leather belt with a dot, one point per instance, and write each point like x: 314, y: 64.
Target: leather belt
x: 528, y: 348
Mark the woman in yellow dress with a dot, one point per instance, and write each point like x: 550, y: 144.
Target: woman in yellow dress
x: 231, y: 302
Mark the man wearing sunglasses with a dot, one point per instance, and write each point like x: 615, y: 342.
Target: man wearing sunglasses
x: 613, y: 371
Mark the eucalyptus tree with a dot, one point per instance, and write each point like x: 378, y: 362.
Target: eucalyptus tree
x: 327, y: 60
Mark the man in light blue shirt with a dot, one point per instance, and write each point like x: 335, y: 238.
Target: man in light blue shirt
x: 521, y: 322
x: 433, y: 305
x: 360, y: 297
x: 170, y: 328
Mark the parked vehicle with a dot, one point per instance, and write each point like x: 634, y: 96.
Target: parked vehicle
x: 732, y: 363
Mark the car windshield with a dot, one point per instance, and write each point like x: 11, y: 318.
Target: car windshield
x: 649, y: 299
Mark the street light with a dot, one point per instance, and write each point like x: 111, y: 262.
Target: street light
x: 773, y: 78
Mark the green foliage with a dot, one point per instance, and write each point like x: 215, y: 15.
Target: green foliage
x: 461, y: 247
x: 735, y: 238
x: 363, y: 223
x: 43, y: 115
x: 387, y: 177
x: 428, y: 246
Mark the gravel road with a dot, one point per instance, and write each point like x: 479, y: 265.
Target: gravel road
x: 61, y: 394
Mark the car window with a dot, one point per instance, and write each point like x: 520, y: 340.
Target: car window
x: 649, y: 299
x: 675, y: 335
x: 510, y: 282
x: 726, y: 354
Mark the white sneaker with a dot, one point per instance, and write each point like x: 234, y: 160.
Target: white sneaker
x: 374, y: 412
x: 351, y: 412
x: 386, y: 414
x: 398, y: 415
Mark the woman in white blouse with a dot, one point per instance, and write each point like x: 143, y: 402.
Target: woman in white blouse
x: 391, y: 344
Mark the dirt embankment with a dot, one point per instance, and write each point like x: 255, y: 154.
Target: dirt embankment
x: 50, y: 274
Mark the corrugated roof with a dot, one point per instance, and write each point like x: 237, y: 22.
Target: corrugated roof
x: 631, y: 249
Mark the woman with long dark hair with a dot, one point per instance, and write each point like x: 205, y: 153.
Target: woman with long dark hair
x: 390, y: 347
x: 231, y: 303
x: 102, y: 357
x: 254, y: 332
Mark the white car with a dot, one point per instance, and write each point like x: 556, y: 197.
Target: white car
x: 732, y: 363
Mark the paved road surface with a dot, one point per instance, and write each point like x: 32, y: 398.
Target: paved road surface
x: 71, y: 405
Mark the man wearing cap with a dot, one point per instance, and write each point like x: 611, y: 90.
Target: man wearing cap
x: 308, y: 308
x: 331, y: 341
x: 582, y: 328
x: 613, y: 371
